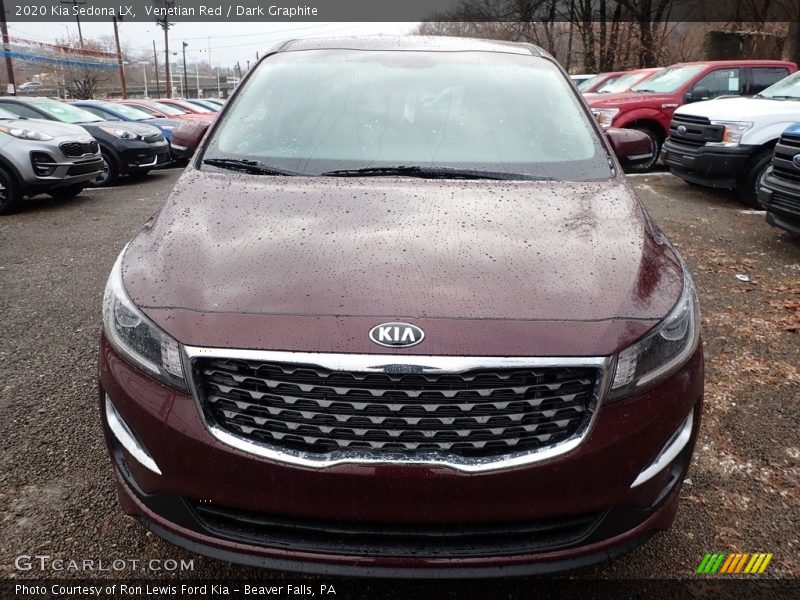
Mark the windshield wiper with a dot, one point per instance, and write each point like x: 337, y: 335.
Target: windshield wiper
x: 429, y: 173
x: 254, y: 167
x: 646, y: 91
x: 778, y: 97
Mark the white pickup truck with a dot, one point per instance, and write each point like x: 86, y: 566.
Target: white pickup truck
x: 728, y: 142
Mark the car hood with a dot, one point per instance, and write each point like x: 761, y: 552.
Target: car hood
x: 629, y: 99
x: 232, y: 258
x: 52, y: 128
x: 138, y: 128
x: 742, y: 109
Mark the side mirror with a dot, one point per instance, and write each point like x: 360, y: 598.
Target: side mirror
x: 630, y: 146
x: 697, y: 94
x: 189, y: 134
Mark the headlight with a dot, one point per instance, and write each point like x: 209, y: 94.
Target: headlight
x: 137, y: 338
x: 734, y: 130
x: 125, y: 134
x: 663, y: 350
x: 26, y: 134
x: 605, y: 116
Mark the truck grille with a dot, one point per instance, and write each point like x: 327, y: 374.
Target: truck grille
x: 445, y: 540
x: 477, y: 413
x: 77, y: 149
x: 698, y: 131
x: 782, y: 166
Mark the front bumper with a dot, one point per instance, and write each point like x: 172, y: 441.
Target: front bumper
x: 781, y: 199
x: 139, y: 156
x: 709, y: 166
x: 561, y: 513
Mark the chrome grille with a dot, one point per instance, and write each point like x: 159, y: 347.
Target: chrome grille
x: 477, y: 413
x: 77, y: 149
x: 782, y: 161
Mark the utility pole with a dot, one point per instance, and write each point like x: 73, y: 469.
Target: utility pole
x: 165, y: 25
x: 119, y: 59
x: 12, y: 88
x: 185, y: 86
x: 77, y: 18
x: 155, y: 60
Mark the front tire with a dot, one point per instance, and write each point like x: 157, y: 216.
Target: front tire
x: 656, y: 141
x: 750, y: 181
x: 10, y: 192
x: 110, y: 173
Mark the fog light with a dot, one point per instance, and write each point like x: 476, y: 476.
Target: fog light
x: 43, y: 164
x: 125, y: 437
x: 671, y: 449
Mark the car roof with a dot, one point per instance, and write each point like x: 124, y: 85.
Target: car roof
x: 419, y: 43
x: 735, y: 63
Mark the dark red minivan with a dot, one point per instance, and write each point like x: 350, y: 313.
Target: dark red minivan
x: 403, y: 316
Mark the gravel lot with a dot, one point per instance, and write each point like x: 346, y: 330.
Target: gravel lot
x: 56, y: 493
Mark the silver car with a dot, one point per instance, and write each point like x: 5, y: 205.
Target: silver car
x: 38, y: 156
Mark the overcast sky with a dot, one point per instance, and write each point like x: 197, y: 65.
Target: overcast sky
x: 229, y: 42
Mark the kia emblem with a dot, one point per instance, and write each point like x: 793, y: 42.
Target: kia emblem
x: 681, y: 129
x: 396, y: 335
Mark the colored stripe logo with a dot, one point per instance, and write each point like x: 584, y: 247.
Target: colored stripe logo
x: 732, y: 563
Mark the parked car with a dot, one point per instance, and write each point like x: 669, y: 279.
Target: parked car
x: 648, y: 107
x: 728, y: 143
x: 624, y: 83
x: 188, y: 107
x: 440, y: 344
x: 164, y: 111
x: 42, y: 157
x: 186, y: 138
x: 29, y: 86
x: 115, y: 111
x: 593, y: 83
x: 218, y: 101
x: 779, y: 192
x: 126, y: 149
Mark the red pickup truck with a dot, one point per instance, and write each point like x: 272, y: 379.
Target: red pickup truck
x: 649, y: 105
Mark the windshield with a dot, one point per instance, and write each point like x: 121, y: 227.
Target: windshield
x: 669, y: 80
x: 66, y: 113
x: 588, y: 83
x: 4, y: 114
x: 786, y: 88
x: 134, y: 114
x: 315, y: 111
x: 168, y: 109
x: 197, y: 107
x: 621, y: 84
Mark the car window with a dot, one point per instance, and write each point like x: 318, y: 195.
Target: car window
x: 66, y: 113
x: 669, y: 80
x: 786, y: 89
x: 588, y: 83
x: 719, y: 82
x: 169, y: 109
x: 5, y: 114
x: 129, y: 112
x: 468, y: 110
x: 100, y: 113
x: 21, y: 110
x: 763, y: 77
x: 620, y: 84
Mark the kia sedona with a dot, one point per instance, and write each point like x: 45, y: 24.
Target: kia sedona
x: 125, y: 148
x: 402, y: 315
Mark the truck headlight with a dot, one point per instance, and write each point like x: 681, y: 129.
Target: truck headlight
x: 605, y: 116
x: 137, y: 338
x: 663, y: 350
x: 732, y: 136
x: 26, y: 134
